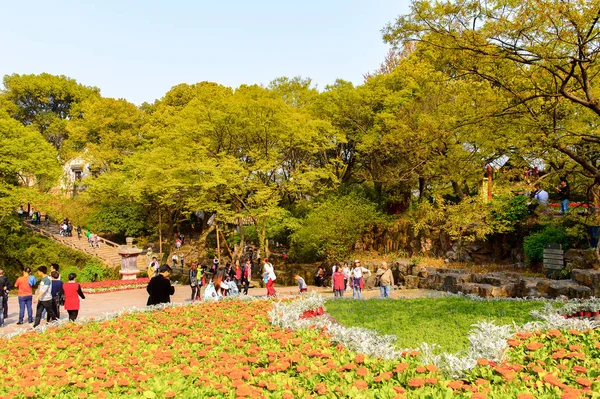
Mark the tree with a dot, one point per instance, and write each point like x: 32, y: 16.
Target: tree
x: 542, y: 54
x: 106, y: 132
x: 45, y: 102
x: 28, y: 165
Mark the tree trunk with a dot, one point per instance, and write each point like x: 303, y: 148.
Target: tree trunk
x: 458, y: 190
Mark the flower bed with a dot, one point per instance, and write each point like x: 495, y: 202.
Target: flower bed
x: 99, y: 287
x: 230, y: 349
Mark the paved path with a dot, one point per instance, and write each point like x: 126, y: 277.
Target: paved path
x: 96, y: 305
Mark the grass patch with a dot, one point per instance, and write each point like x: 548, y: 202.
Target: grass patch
x: 444, y: 321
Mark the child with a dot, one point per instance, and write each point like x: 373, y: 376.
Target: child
x: 338, y: 283
x: 302, y: 287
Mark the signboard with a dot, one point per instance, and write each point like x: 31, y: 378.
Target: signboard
x: 554, y: 257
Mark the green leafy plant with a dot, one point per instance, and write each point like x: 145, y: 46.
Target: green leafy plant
x: 535, y: 243
x: 330, y: 230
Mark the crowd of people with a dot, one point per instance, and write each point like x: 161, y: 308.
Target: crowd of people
x: 217, y: 280
x: 344, y: 278
x: 51, y: 294
x: 232, y: 279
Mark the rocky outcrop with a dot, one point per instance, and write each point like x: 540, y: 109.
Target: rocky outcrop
x: 585, y: 283
x: 581, y: 259
x: 588, y: 278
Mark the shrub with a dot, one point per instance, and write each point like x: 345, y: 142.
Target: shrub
x: 91, y: 272
x: 331, y: 229
x: 535, y: 243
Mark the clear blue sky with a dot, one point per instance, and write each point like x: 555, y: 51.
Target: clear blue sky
x: 138, y: 50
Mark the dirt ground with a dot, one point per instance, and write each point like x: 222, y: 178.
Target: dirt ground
x: 96, y: 305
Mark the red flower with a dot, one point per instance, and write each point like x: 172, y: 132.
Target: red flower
x: 416, y: 382
x: 360, y: 384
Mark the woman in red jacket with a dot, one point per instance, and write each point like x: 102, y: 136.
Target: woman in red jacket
x: 72, y: 293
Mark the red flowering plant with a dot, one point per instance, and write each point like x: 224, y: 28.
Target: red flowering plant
x: 113, y: 285
x: 229, y: 349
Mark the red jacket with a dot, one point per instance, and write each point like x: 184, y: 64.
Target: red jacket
x: 338, y: 280
x: 72, y: 293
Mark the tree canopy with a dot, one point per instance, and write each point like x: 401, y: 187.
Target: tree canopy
x: 471, y: 89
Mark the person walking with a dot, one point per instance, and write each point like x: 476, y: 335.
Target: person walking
x: 194, y: 281
x: 269, y: 278
x: 563, y: 196
x: 358, y: 282
x: 57, y: 292
x: 73, y: 292
x: 386, y: 280
x: 5, y: 287
x: 25, y: 293
x: 346, y: 271
x: 246, y: 275
x: 175, y: 259
x: 159, y: 288
x: 153, y: 268
x: 44, y: 297
x: 337, y: 281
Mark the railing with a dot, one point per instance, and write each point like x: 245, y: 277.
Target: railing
x: 83, y: 248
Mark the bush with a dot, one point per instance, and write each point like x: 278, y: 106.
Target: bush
x: 331, y: 229
x: 91, y: 272
x: 535, y: 243
x: 507, y: 212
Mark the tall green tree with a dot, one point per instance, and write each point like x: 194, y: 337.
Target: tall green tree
x: 45, y: 102
x: 542, y: 54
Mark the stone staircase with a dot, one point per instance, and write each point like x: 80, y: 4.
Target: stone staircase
x: 107, y: 253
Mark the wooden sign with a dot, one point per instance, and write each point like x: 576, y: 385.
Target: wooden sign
x: 554, y: 257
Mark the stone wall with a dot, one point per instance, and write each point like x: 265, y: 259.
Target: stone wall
x: 584, y: 283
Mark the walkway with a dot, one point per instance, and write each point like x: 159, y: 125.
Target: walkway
x: 96, y: 305
x: 107, y: 253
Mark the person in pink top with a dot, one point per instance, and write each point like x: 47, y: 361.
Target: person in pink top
x: 25, y: 296
x: 72, y: 292
x: 338, y: 283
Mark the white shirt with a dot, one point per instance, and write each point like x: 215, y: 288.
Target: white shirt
x: 357, y: 272
x: 346, y: 271
x: 269, y: 271
x: 542, y: 197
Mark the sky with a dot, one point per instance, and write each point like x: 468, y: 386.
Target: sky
x: 138, y: 50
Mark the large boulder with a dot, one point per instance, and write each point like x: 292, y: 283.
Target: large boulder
x: 411, y: 282
x: 589, y: 278
x: 568, y: 288
x: 581, y: 259
x: 528, y: 287
x: 487, y: 290
x: 452, y: 280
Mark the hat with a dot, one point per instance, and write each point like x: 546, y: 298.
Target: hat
x: 356, y: 261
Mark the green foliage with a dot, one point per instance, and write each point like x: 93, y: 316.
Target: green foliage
x: 444, y: 321
x: 331, y: 229
x: 507, y: 212
x: 92, y: 271
x: 535, y: 243
x: 28, y: 166
x: 21, y: 248
x: 125, y: 219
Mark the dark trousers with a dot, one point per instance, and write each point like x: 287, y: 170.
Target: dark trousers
x: 56, y: 307
x: 73, y: 314
x: 195, y: 292
x: 245, y: 284
x: 5, y: 305
x: 41, y: 306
